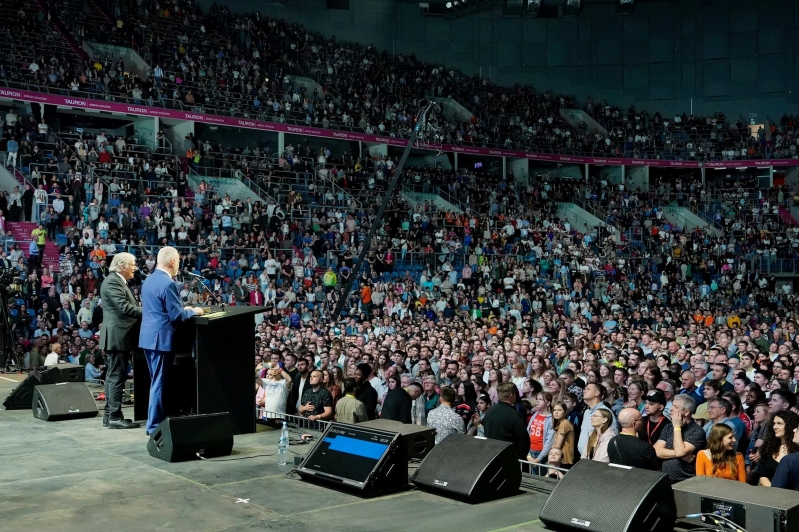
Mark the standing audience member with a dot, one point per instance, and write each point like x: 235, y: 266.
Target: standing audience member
x: 503, y: 422
x: 601, y: 421
x: 316, y: 403
x: 628, y: 448
x: 443, y: 418
x: 348, y: 408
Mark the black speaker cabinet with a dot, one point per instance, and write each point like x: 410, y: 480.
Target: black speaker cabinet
x: 178, y: 439
x: 749, y: 507
x: 22, y: 396
x: 66, y: 400
x: 470, y: 468
x: 70, y: 372
x: 419, y: 439
x: 366, y: 461
x: 580, y: 500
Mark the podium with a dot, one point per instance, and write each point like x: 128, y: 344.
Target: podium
x: 214, y: 369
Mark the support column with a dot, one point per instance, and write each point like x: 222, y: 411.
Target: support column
x: 281, y: 143
x: 505, y: 168
x: 456, y: 161
x: 703, y: 175
x: 586, y: 172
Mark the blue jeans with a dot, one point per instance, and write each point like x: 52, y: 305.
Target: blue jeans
x: 160, y: 364
x: 535, y: 470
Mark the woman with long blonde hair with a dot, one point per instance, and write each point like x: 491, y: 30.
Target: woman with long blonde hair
x: 601, y: 421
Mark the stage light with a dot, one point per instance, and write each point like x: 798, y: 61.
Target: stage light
x: 449, y: 5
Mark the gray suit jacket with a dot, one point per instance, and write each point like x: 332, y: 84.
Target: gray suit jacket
x: 121, y: 316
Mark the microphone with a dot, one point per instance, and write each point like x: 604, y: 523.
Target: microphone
x: 187, y: 272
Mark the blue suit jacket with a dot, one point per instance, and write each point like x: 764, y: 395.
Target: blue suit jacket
x: 162, y: 312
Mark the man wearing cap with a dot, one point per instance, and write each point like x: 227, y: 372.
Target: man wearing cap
x: 653, y: 424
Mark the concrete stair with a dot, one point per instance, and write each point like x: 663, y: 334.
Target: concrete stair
x: 21, y: 232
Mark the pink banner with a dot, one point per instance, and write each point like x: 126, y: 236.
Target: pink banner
x: 143, y: 110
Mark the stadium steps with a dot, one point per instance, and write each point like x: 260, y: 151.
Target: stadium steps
x: 21, y: 232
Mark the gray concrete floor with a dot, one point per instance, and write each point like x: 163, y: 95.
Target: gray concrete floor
x: 78, y: 476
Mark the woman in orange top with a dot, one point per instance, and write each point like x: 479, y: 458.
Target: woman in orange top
x: 720, y: 459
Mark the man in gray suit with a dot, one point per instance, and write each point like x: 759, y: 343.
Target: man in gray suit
x: 119, y: 335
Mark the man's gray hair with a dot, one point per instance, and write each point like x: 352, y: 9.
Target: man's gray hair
x: 165, y: 254
x: 121, y: 260
x: 688, y: 402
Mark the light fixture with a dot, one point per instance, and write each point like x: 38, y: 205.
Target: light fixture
x: 449, y: 5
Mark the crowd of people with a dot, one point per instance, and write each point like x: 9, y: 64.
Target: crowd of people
x: 669, y: 351
x: 228, y: 63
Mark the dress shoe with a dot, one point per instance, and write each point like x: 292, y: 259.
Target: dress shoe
x: 122, y: 424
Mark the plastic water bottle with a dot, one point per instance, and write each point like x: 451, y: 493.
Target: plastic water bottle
x: 282, y: 445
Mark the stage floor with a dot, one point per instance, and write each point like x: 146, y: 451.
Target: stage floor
x: 78, y: 476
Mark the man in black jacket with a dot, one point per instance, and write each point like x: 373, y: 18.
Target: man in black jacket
x: 365, y: 393
x: 503, y: 422
x: 298, y: 384
x: 119, y: 336
x: 398, y: 403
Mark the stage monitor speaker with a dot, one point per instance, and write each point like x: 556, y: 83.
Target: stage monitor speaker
x: 579, y: 500
x: 66, y: 400
x: 22, y: 396
x: 70, y: 372
x: 177, y: 439
x: 366, y: 461
x: 419, y: 439
x: 470, y: 468
x: 749, y: 507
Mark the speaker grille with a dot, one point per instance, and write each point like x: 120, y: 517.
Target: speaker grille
x: 586, y: 487
x: 475, y: 468
x: 53, y: 402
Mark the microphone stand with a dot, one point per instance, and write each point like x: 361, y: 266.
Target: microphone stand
x: 216, y: 300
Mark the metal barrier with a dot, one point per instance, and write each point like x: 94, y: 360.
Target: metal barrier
x: 298, y: 422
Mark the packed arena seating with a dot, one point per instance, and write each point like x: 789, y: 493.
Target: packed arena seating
x: 241, y: 65
x: 503, y: 291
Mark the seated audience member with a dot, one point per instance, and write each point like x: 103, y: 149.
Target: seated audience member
x: 601, y: 421
x: 443, y: 418
x: 777, y: 444
x: 503, y: 422
x: 681, y: 441
x: 720, y: 459
x: 787, y: 474
x: 348, y: 408
x: 92, y: 373
x: 628, y: 448
x: 54, y: 357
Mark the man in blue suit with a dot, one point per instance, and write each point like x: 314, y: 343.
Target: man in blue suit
x: 162, y: 313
